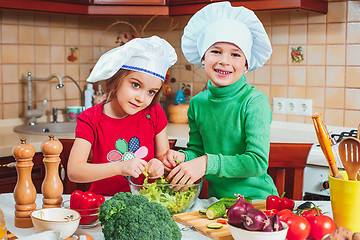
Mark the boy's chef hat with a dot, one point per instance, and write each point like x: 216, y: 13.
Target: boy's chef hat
x: 220, y: 22
x: 151, y: 55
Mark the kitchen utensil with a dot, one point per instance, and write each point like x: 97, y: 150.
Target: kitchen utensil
x: 358, y: 132
x: 345, y: 195
x: 198, y: 223
x: 325, y: 144
x: 349, y: 150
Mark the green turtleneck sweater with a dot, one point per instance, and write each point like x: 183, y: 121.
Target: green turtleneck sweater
x: 231, y: 125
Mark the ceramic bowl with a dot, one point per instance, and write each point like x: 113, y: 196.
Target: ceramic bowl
x: 89, y: 217
x: 180, y: 197
x: 63, y: 220
x: 239, y: 234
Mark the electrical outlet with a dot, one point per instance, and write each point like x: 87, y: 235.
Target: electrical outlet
x: 292, y: 106
x: 279, y: 105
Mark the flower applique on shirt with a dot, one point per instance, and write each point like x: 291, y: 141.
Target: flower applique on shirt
x: 125, y: 151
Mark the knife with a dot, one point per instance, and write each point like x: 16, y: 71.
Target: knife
x: 324, y: 141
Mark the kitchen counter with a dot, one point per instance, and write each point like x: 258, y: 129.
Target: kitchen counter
x: 284, y: 132
x: 8, y: 207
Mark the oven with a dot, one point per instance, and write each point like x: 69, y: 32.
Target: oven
x: 316, y: 181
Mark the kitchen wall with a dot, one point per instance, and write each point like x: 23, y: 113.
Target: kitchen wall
x: 42, y: 42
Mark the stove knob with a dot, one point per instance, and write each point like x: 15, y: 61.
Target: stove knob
x: 326, y: 184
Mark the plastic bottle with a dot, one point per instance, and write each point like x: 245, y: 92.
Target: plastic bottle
x: 3, y: 232
x: 99, y: 96
x: 89, y: 93
x: 180, y: 97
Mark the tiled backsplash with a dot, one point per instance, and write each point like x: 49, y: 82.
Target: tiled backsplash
x: 329, y: 73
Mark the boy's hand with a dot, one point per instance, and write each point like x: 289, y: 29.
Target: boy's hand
x: 169, y: 161
x: 156, y: 168
x: 132, y: 167
x: 188, y: 172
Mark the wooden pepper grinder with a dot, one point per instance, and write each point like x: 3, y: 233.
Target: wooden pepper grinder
x: 24, y: 191
x: 52, y: 187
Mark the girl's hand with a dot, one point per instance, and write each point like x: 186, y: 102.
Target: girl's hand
x: 156, y: 168
x: 169, y: 157
x: 132, y: 167
x: 188, y: 172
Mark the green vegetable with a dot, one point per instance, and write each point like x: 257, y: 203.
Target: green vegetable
x: 214, y: 225
x: 177, y: 161
x: 216, y: 210
x: 174, y: 201
x: 133, y: 217
x: 202, y: 212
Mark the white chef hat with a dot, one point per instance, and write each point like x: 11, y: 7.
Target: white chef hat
x: 151, y: 55
x: 220, y: 22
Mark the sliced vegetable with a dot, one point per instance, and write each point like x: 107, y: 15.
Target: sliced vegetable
x: 214, y: 225
x: 271, y: 212
x: 202, y: 211
x: 222, y: 221
x: 216, y: 210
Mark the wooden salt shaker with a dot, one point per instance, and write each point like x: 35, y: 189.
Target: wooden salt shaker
x: 52, y: 187
x: 24, y: 191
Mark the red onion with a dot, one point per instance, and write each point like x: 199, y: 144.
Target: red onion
x: 236, y: 211
x: 255, y: 220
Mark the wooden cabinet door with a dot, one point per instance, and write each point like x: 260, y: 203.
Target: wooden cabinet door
x: 8, y: 175
x: 130, y: 2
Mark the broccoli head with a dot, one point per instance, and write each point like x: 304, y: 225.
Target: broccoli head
x: 133, y: 217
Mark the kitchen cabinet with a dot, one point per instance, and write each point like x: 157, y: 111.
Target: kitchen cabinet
x: 8, y: 175
x: 154, y: 7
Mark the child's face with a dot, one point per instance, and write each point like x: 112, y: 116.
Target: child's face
x: 135, y: 93
x: 224, y: 63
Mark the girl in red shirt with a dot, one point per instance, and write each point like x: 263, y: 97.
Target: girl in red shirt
x: 126, y: 132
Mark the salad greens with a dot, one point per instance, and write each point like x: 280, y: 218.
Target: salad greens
x: 160, y: 191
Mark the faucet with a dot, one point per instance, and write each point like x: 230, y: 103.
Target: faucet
x: 32, y: 114
x: 55, y: 109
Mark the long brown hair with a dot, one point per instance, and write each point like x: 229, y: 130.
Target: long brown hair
x: 113, y: 83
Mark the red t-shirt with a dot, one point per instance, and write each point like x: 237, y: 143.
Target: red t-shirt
x: 116, y: 139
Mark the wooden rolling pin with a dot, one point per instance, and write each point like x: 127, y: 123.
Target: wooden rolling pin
x: 324, y: 140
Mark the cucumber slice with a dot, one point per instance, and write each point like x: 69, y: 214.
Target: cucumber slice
x: 214, y: 225
x: 202, y: 212
x: 216, y: 210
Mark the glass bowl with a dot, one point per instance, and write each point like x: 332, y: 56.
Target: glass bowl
x: 89, y: 217
x: 176, y: 198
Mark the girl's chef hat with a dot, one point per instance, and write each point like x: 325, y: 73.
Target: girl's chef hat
x: 151, y: 55
x: 220, y: 22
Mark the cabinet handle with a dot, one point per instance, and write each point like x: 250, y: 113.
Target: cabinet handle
x: 9, y: 165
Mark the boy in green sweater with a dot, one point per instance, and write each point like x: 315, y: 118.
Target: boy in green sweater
x: 230, y: 122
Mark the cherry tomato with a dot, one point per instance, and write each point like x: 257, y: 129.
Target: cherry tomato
x: 311, y: 212
x: 299, y: 228
x: 320, y: 226
x: 284, y: 214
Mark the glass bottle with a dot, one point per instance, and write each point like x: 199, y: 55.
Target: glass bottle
x: 180, y: 97
x: 3, y: 232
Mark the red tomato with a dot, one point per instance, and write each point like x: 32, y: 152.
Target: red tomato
x: 299, y: 228
x: 311, y: 212
x: 284, y: 214
x: 222, y: 221
x: 320, y: 226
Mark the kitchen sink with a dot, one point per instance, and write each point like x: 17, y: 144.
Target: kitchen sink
x: 47, y: 128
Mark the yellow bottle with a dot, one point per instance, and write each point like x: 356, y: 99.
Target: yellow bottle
x: 3, y: 232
